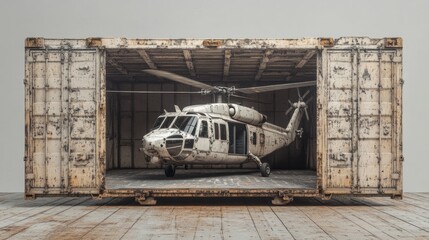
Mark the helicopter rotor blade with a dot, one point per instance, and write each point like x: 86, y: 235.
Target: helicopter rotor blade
x: 179, y: 78
x: 269, y: 88
x: 151, y: 92
x: 309, y: 100
x: 290, y: 108
x: 305, y: 94
x: 288, y: 111
x: 306, y: 114
x: 299, y: 94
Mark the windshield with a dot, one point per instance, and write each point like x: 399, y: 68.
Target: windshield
x: 167, y: 122
x: 186, y: 124
x: 158, y: 123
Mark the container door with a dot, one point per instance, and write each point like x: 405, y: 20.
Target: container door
x: 364, y: 94
x: 63, y: 142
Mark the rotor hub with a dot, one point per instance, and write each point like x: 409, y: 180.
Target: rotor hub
x: 219, y: 90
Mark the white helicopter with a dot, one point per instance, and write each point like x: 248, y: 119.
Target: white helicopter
x: 219, y: 133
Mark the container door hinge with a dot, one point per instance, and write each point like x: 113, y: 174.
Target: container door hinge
x: 395, y: 176
x: 29, y: 176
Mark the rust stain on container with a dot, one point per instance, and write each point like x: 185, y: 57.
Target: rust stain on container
x: 34, y: 42
x: 326, y: 42
x: 393, y: 42
x: 213, y: 43
x: 93, y: 42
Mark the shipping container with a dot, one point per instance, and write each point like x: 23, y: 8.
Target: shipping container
x: 83, y: 140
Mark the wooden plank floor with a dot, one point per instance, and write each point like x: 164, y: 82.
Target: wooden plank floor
x: 236, y: 218
x: 210, y: 178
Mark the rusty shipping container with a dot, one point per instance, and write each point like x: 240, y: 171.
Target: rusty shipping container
x: 82, y: 141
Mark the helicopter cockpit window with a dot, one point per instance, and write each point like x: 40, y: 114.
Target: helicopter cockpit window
x: 158, y: 123
x: 204, y: 130
x: 186, y: 123
x: 167, y: 122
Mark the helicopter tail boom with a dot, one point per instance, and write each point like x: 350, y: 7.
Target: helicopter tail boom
x: 292, y: 128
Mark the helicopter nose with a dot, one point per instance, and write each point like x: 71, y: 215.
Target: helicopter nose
x: 174, y: 145
x: 163, y: 147
x: 153, y: 146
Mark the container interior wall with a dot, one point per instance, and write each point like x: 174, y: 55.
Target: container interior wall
x: 130, y: 116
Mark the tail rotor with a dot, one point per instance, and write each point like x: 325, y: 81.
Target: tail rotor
x: 300, y: 103
x: 290, y: 108
x: 303, y: 96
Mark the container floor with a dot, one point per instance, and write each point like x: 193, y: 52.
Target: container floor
x: 210, y: 178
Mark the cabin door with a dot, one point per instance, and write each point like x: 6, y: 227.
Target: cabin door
x: 205, y: 136
x: 220, y: 142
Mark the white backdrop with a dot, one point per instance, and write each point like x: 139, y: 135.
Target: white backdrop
x: 215, y: 19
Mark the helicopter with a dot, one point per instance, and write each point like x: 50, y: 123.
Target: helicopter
x: 219, y: 132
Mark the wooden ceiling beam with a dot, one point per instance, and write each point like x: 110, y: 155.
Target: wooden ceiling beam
x: 226, y: 64
x: 143, y: 54
x: 116, y: 65
x: 305, y: 59
x: 189, y: 63
x: 265, y: 59
x: 308, y: 55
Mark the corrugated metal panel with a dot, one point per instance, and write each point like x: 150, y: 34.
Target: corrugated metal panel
x: 363, y: 122
x: 62, y: 103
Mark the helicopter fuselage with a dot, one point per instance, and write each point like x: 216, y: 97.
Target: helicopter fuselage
x: 216, y: 133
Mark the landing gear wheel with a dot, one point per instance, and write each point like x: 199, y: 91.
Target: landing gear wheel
x: 265, y: 169
x: 169, y: 170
